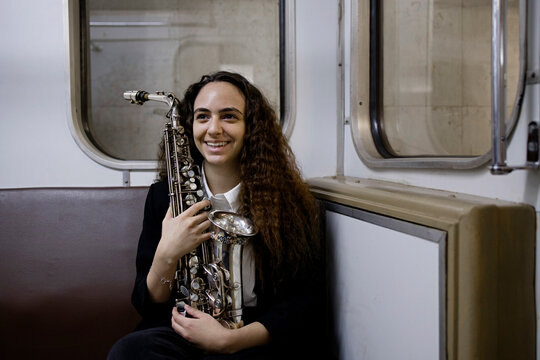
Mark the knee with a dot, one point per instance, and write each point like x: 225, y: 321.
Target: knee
x: 125, y: 348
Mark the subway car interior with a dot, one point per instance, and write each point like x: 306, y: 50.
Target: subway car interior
x: 414, y: 124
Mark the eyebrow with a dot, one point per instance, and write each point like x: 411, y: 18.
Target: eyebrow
x: 224, y: 110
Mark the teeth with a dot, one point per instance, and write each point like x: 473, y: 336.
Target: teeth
x: 216, y: 144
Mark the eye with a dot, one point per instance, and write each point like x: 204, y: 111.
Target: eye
x: 229, y: 116
x: 201, y: 116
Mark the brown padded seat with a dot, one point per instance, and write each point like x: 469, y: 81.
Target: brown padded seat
x: 67, y: 269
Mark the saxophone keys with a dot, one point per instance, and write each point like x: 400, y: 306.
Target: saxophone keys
x: 194, y: 261
x: 211, y: 297
x: 184, y: 291
x: 218, y: 306
x: 190, y: 199
x: 226, y: 273
x: 197, y: 284
x: 184, y: 170
x: 193, y: 265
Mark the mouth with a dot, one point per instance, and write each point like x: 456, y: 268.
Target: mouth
x: 216, y: 144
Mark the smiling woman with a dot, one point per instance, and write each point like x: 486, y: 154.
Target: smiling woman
x: 219, y: 127
x: 249, y: 169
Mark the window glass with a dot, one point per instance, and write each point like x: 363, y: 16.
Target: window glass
x: 165, y: 46
x: 435, y: 59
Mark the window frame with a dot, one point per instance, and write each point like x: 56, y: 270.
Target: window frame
x: 76, y: 88
x: 365, y: 123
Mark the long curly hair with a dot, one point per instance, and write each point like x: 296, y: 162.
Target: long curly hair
x: 273, y: 194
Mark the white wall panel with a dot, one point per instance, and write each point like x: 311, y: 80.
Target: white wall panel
x: 314, y: 136
x: 36, y: 147
x: 385, y: 285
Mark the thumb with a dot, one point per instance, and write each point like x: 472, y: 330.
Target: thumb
x: 193, y: 312
x: 168, y: 215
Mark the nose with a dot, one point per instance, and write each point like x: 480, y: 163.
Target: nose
x: 214, y: 126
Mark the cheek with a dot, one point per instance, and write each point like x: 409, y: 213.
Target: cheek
x: 242, y: 134
x: 198, y: 146
x: 197, y: 133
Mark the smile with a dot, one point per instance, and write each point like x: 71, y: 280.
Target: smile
x: 216, y: 144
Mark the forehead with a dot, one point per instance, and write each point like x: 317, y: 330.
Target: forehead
x: 216, y: 95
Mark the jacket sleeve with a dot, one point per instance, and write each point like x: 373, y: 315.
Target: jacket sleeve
x: 153, y: 314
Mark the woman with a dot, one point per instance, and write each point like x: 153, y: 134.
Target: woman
x: 249, y: 168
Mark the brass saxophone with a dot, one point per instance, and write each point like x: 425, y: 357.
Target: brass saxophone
x: 209, y: 278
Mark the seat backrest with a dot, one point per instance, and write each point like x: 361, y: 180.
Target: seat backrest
x: 67, y: 270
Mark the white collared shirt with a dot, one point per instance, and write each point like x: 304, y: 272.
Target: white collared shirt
x: 230, y: 201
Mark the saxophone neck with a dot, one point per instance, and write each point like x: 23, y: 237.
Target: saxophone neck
x: 174, y: 115
x: 139, y: 97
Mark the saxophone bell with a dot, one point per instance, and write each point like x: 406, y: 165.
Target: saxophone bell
x: 229, y: 233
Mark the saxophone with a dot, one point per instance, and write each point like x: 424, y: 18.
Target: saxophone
x: 209, y: 278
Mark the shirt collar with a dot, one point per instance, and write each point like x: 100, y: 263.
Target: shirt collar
x: 229, y: 201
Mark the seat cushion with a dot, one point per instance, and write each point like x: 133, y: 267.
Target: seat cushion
x: 67, y: 270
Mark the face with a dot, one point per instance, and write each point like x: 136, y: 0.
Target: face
x: 218, y: 124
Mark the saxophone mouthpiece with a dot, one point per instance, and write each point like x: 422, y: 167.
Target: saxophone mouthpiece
x: 136, y: 96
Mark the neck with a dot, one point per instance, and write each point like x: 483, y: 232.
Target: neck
x: 221, y: 179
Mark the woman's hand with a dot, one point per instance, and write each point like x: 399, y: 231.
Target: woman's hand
x: 181, y: 234
x: 202, y: 330
x: 207, y: 333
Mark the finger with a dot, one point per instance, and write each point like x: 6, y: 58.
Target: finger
x: 193, y: 312
x: 178, y: 318
x: 199, y: 218
x: 176, y: 326
x: 202, y: 238
x: 195, y: 208
x: 203, y: 227
x: 175, y: 314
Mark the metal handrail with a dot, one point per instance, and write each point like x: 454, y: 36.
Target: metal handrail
x: 500, y: 135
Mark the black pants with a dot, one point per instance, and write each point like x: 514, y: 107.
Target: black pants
x: 164, y: 343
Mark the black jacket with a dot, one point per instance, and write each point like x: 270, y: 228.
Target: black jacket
x: 294, y: 315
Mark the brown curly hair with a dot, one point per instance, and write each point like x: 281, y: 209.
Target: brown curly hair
x: 273, y: 194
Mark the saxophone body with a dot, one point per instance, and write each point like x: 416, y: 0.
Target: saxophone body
x: 209, y: 278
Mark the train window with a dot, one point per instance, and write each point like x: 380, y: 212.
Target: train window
x: 165, y: 46
x: 424, y: 80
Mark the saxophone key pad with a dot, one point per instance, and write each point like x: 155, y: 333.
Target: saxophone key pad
x: 184, y: 291
x: 190, y: 199
x: 194, y: 261
x: 197, y: 284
